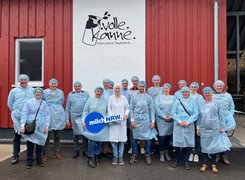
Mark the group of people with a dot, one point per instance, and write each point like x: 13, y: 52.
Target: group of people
x: 195, y: 125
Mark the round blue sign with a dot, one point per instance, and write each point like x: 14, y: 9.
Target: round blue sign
x: 94, y: 122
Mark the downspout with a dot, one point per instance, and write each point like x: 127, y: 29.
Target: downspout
x: 216, y: 40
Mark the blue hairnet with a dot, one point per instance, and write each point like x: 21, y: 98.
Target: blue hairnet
x: 185, y: 89
x: 124, y: 81
x: 77, y: 82
x: 97, y: 88
x: 195, y: 84
x: 182, y: 81
x: 134, y: 78
x: 21, y: 76
x: 168, y: 85
x: 36, y: 89
x: 219, y: 82
x: 53, y: 80
x: 156, y: 77
x: 142, y: 83
x: 106, y: 80
x: 207, y: 89
x: 111, y: 83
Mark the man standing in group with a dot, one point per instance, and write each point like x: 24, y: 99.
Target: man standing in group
x: 16, y: 100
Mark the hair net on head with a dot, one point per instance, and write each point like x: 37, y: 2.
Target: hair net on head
x: 156, y: 77
x: 195, y: 84
x: 142, y: 83
x: 98, y: 88
x: 124, y: 81
x: 168, y: 85
x: 53, y: 80
x: 134, y: 78
x: 219, y: 82
x: 111, y: 83
x: 25, y: 76
x: 180, y: 81
x: 185, y: 89
x: 207, y: 89
x: 38, y: 89
x: 106, y: 80
x: 77, y: 82
x: 117, y: 86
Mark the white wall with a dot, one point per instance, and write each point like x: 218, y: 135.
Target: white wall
x: 115, y: 59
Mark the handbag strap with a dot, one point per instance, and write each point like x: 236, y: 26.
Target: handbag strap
x: 184, y: 107
x: 38, y: 109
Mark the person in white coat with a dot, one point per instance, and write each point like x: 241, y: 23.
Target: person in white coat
x: 118, y: 105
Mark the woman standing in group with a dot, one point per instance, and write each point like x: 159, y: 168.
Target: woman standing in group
x: 163, y: 106
x: 118, y: 105
x: 211, y: 128
x: 185, y: 113
x: 39, y: 108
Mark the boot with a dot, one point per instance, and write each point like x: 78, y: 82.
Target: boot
x: 214, y: 168
x: 96, y: 160
x: 167, y: 157
x: 162, y: 156
x: 91, y: 162
x: 225, y: 159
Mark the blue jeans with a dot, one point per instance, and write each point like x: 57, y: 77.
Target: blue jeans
x: 118, y: 148
x: 94, y: 148
x: 207, y: 158
x: 164, y: 142
x: 186, y: 153
x: 30, y: 150
x: 147, y: 147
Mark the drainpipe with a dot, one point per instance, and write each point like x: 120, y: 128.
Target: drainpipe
x: 216, y: 40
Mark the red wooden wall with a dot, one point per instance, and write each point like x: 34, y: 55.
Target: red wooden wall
x: 179, y: 40
x: 48, y: 19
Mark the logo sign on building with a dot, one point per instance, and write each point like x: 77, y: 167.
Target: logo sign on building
x: 95, y: 122
x: 109, y: 41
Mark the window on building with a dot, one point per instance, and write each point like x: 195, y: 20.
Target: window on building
x: 29, y: 60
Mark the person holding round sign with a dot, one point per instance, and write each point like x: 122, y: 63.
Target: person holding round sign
x: 55, y: 99
x: 142, y: 115
x: 211, y: 128
x: 35, y: 108
x: 118, y: 105
x: 224, y: 98
x: 94, y: 127
x: 74, y: 107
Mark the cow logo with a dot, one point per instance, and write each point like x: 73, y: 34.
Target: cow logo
x: 106, y: 30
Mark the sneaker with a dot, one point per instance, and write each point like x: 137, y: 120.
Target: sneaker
x: 203, y: 168
x: 40, y: 164
x: 44, y: 158
x: 133, y: 159
x: 190, y: 157
x: 14, y: 160
x: 120, y: 162
x: 114, y: 162
x: 28, y: 165
x: 196, y: 158
x: 130, y: 151
x: 142, y: 150
x: 148, y: 159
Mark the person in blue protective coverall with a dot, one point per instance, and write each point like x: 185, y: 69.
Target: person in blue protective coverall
x: 211, y: 128
x: 107, y: 92
x: 16, y: 100
x: 142, y: 114
x: 95, y: 104
x: 55, y: 99
x: 118, y: 105
x: 74, y: 108
x: 40, y: 134
x: 184, y: 116
x: 111, y: 85
x: 194, y: 86
x: 163, y: 106
x: 126, y: 92
x: 181, y: 84
x: 224, y: 98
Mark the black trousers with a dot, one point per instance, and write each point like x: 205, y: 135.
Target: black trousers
x: 30, y: 151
